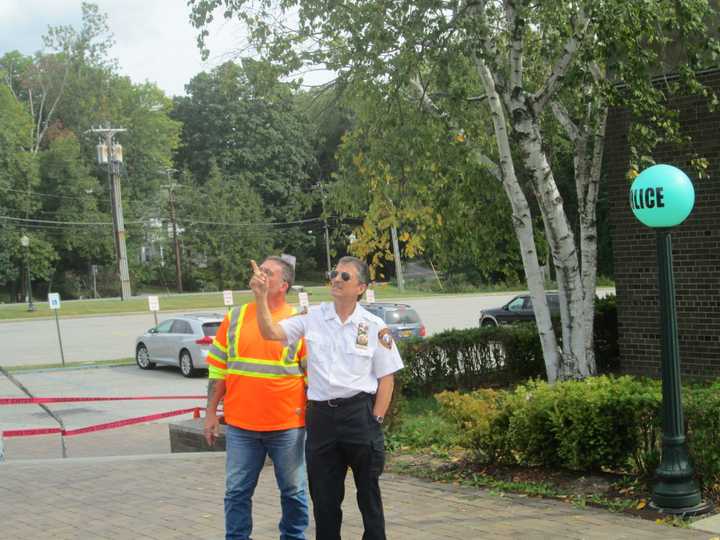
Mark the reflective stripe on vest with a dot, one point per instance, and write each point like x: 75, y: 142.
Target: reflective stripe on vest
x: 260, y: 367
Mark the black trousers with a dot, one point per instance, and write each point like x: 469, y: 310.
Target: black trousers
x: 341, y: 437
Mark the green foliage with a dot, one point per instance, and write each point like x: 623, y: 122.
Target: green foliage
x: 702, y: 413
x: 601, y: 423
x: 398, y: 168
x: 63, y: 171
x: 229, y: 235
x: 244, y: 120
x: 467, y: 359
x: 18, y: 174
x: 422, y: 427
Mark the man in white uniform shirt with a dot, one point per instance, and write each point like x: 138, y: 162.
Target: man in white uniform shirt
x: 351, y: 362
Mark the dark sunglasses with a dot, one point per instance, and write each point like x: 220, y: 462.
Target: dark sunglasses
x: 343, y: 275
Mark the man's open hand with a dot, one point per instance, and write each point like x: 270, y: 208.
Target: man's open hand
x: 211, y: 429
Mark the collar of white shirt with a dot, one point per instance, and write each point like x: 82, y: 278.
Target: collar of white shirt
x: 330, y: 314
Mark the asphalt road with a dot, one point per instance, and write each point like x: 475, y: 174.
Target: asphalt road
x: 35, y: 342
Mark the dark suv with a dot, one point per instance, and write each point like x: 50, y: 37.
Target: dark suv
x: 518, y: 309
x: 403, y: 320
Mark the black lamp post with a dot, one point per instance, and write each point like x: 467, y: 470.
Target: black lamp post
x: 662, y: 197
x: 25, y: 243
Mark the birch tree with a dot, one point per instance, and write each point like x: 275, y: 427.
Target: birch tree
x: 533, y: 64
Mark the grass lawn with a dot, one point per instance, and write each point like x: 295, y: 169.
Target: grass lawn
x: 175, y: 302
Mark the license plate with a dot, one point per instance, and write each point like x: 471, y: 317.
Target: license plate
x: 406, y: 333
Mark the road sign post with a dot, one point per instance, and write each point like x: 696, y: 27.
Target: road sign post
x: 304, y: 301
x: 54, y: 304
x: 662, y: 197
x: 154, y: 306
x: 228, y: 299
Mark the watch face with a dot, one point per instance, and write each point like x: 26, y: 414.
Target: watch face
x: 379, y: 419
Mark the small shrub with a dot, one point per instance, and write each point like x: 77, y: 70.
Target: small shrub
x: 598, y: 423
x: 702, y: 412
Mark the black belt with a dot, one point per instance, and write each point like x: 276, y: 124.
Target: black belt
x: 339, y: 402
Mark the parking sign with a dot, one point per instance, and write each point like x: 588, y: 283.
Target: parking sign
x: 228, y: 298
x: 304, y: 301
x: 370, y: 296
x: 154, y: 303
x: 54, y: 300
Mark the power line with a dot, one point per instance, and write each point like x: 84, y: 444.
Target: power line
x: 91, y: 223
x: 48, y: 195
x: 146, y: 223
x: 249, y: 224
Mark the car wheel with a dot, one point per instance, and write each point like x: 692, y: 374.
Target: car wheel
x: 488, y: 322
x: 142, y: 357
x: 186, y: 364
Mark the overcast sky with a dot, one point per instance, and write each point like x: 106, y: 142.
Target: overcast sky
x: 154, y: 40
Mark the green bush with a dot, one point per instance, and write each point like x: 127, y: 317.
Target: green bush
x: 601, y: 423
x: 702, y: 412
x: 494, y: 356
x: 468, y: 359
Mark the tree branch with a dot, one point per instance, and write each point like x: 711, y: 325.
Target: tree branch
x: 566, y: 122
x: 429, y: 105
x: 571, y: 48
x: 516, y: 24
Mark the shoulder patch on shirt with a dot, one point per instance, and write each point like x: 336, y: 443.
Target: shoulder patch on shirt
x: 385, y: 338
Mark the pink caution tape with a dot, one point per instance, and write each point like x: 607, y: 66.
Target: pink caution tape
x: 101, y: 427
x: 36, y: 400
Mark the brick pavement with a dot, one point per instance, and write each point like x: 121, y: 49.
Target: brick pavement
x: 179, y: 496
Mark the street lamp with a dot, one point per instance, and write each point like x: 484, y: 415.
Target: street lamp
x: 662, y: 197
x: 25, y: 243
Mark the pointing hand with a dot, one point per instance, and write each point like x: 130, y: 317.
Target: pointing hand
x: 258, y: 282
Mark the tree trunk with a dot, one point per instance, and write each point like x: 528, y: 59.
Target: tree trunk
x: 560, y: 239
x: 587, y: 203
x: 522, y: 223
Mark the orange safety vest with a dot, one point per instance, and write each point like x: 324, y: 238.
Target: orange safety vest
x: 264, y: 380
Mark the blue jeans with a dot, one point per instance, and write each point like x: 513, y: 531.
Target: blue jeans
x: 246, y: 452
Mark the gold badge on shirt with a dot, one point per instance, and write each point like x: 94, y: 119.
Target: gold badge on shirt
x: 361, y: 342
x: 385, y: 338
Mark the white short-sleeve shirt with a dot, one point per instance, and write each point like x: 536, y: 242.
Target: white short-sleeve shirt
x: 343, y: 358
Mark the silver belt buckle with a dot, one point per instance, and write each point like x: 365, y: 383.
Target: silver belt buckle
x: 331, y: 404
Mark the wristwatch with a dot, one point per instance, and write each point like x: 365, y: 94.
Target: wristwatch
x: 379, y: 419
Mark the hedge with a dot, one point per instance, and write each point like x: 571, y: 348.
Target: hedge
x: 468, y: 359
x: 494, y: 356
x: 600, y: 423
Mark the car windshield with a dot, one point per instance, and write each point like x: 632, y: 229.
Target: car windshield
x: 210, y: 328
x: 402, y: 316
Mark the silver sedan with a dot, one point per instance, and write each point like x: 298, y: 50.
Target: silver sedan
x: 182, y: 341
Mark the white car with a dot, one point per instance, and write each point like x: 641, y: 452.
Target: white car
x: 182, y: 341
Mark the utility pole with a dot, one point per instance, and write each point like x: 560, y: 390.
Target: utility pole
x: 327, y: 233
x: 111, y: 153
x: 398, y: 263
x: 178, y: 267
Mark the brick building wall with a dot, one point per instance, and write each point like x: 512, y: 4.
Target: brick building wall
x: 696, y: 250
